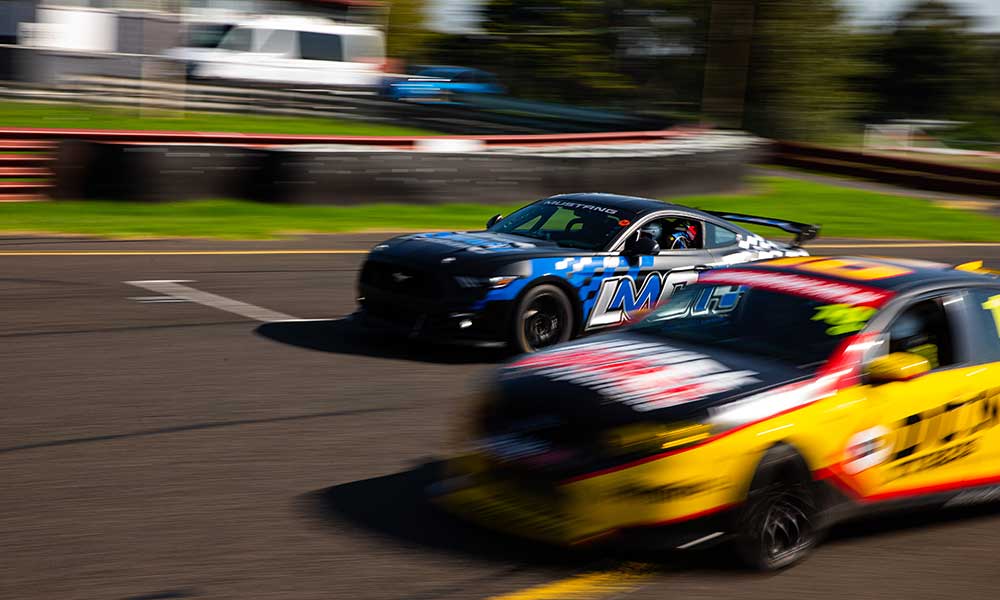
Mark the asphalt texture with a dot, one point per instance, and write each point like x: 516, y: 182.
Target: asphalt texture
x: 153, y: 449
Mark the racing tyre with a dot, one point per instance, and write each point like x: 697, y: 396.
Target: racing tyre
x: 779, y: 524
x: 544, y: 317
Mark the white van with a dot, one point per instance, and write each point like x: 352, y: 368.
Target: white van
x: 296, y: 50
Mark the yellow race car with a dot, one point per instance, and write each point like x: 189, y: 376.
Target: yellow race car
x: 758, y: 407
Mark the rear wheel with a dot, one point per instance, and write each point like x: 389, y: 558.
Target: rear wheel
x: 544, y: 317
x: 779, y: 525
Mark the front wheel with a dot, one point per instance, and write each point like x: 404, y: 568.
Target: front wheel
x: 544, y: 317
x: 778, y: 527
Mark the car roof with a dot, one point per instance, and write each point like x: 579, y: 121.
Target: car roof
x: 635, y: 204
x: 308, y: 25
x: 917, y: 274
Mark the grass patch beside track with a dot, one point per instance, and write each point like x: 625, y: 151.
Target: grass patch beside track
x: 842, y: 212
x: 65, y: 116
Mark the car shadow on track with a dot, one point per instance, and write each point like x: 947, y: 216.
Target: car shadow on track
x: 917, y: 518
x: 395, y: 507
x: 343, y: 336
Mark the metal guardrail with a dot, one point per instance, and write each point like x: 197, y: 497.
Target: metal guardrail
x: 907, y: 172
x: 473, y: 114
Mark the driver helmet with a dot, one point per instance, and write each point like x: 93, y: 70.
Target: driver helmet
x: 683, y: 236
x: 688, y: 230
x: 651, y: 230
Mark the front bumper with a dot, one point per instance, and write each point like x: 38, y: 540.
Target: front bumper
x: 484, y: 328
x: 581, y: 514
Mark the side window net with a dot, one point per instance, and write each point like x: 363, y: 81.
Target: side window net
x: 924, y: 329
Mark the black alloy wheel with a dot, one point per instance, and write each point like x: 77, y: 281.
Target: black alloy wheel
x: 544, y: 318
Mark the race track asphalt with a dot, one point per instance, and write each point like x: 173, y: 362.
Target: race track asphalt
x: 154, y: 449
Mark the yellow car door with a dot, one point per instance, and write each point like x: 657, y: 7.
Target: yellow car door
x: 935, y: 428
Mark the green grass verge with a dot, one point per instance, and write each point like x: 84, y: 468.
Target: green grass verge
x: 26, y: 114
x: 842, y: 213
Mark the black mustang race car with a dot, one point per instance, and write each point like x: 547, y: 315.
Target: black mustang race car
x: 556, y: 269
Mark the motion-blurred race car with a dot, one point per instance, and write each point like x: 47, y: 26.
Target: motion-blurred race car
x: 555, y: 269
x: 758, y: 406
x: 440, y: 84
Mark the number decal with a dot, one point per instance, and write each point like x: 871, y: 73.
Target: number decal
x: 843, y: 318
x: 858, y: 270
x: 993, y: 305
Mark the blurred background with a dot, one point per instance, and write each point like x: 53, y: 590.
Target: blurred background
x: 900, y: 91
x: 823, y: 70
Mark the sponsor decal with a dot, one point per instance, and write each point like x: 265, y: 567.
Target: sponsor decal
x: 925, y: 440
x: 577, y: 205
x: 824, y: 290
x: 717, y: 300
x: 843, y: 318
x: 618, y: 299
x: 867, y: 449
x: 645, y: 376
x: 669, y: 492
x: 468, y: 243
x: 846, y: 268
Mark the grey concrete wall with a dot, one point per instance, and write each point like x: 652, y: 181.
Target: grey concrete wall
x: 418, y: 177
x: 160, y: 173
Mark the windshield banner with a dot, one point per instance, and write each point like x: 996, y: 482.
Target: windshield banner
x: 823, y: 290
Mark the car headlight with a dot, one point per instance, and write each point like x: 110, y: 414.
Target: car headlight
x: 493, y: 283
x: 647, y: 438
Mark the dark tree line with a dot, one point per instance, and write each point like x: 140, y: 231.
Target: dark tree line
x: 809, y: 71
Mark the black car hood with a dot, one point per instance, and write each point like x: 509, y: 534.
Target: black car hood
x: 432, y: 248
x: 628, y: 377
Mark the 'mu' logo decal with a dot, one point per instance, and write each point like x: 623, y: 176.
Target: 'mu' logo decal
x: 618, y: 297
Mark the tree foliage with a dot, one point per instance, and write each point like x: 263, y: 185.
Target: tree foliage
x: 408, y: 36
x: 929, y: 62
x: 802, y: 63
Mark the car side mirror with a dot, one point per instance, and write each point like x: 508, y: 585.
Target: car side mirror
x: 643, y: 246
x: 898, y: 366
x: 493, y: 221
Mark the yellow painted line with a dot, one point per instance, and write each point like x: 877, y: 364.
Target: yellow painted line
x: 342, y: 251
x: 587, y: 586
x: 169, y: 252
x: 910, y: 245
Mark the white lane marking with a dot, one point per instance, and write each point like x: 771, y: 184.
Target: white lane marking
x: 175, y: 289
x: 700, y: 540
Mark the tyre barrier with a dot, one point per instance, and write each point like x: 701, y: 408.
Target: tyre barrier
x: 352, y: 174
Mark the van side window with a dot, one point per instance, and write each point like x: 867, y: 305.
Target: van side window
x: 320, y: 46
x: 279, y: 41
x: 237, y: 40
x: 984, y: 306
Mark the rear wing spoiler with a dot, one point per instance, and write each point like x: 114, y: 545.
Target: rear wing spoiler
x: 803, y: 232
x: 976, y: 266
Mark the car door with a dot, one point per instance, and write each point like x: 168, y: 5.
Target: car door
x: 650, y: 280
x: 933, y: 432
x: 984, y: 334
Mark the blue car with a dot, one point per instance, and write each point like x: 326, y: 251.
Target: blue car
x: 439, y: 83
x: 562, y: 267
